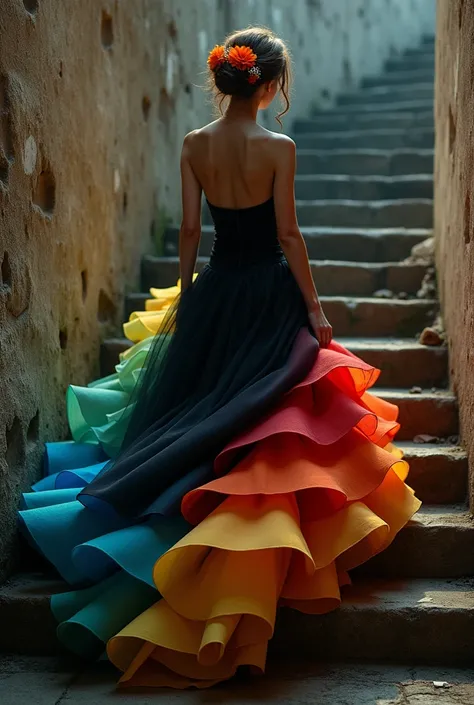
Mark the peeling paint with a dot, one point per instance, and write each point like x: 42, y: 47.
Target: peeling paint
x: 456, y: 74
x: 30, y: 153
x: 116, y: 181
x: 204, y: 43
x: 171, y: 69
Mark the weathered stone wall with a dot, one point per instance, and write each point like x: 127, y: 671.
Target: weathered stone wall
x: 95, y: 98
x: 454, y: 199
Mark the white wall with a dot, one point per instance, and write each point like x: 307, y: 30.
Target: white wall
x: 334, y: 43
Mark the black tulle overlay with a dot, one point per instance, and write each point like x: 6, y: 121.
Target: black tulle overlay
x: 229, y: 348
x: 255, y: 470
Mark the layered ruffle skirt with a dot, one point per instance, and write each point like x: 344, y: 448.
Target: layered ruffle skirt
x: 179, y: 583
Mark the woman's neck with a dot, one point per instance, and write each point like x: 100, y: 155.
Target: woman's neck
x: 242, y: 109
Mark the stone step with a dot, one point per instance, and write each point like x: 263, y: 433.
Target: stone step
x: 409, y: 213
x: 430, y: 412
x: 370, y: 317
x: 333, y: 278
x: 287, y: 681
x: 375, y: 245
x: 425, y: 50
x: 420, y: 621
x: 363, y: 162
x: 403, y: 362
x: 411, y: 63
x: 389, y: 94
x: 437, y: 543
x: 110, y: 350
x: 363, y: 188
x: 27, y: 624
x: 392, y: 213
x: 428, y: 40
x: 391, y: 138
x: 438, y: 472
x: 397, y: 78
x: 422, y: 105
x: 363, y: 121
x: 417, y: 612
x: 357, y: 316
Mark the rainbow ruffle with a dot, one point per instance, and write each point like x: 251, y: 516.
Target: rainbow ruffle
x: 310, y: 491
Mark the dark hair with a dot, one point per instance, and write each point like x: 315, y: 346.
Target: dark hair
x: 273, y: 60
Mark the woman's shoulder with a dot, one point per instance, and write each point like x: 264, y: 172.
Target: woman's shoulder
x: 203, y: 131
x: 196, y: 140
x: 275, y: 144
x: 279, y: 144
x: 277, y: 139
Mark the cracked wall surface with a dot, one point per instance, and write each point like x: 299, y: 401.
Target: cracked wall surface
x: 90, y: 118
x: 454, y: 200
x: 95, y: 98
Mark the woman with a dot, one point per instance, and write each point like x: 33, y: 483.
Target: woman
x: 253, y: 469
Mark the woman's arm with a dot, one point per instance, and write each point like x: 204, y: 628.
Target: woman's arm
x: 290, y: 237
x: 190, y: 230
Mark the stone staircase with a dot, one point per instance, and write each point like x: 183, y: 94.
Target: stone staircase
x: 364, y: 190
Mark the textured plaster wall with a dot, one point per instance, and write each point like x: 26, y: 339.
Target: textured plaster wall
x: 454, y: 199
x: 95, y: 97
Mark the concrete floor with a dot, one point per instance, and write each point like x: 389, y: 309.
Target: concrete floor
x: 48, y: 682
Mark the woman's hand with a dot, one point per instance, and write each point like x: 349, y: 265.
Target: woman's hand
x: 321, y: 326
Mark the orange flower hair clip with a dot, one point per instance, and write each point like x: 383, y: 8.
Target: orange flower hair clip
x: 242, y: 58
x: 216, y: 57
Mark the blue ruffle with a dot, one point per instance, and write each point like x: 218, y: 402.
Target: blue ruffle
x: 108, y: 558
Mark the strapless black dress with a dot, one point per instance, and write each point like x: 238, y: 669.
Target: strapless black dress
x: 254, y: 470
x: 221, y: 359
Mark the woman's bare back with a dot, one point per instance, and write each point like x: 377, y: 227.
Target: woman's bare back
x: 234, y: 162
x: 238, y: 164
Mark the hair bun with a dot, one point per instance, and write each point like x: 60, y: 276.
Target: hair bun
x: 247, y: 59
x: 232, y: 81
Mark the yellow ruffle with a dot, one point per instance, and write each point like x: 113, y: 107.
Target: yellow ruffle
x: 144, y: 324
x: 222, y: 582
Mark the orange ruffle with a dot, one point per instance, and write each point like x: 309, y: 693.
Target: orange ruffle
x: 310, y: 492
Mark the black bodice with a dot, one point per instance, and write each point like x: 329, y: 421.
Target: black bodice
x: 220, y: 359
x: 245, y: 235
